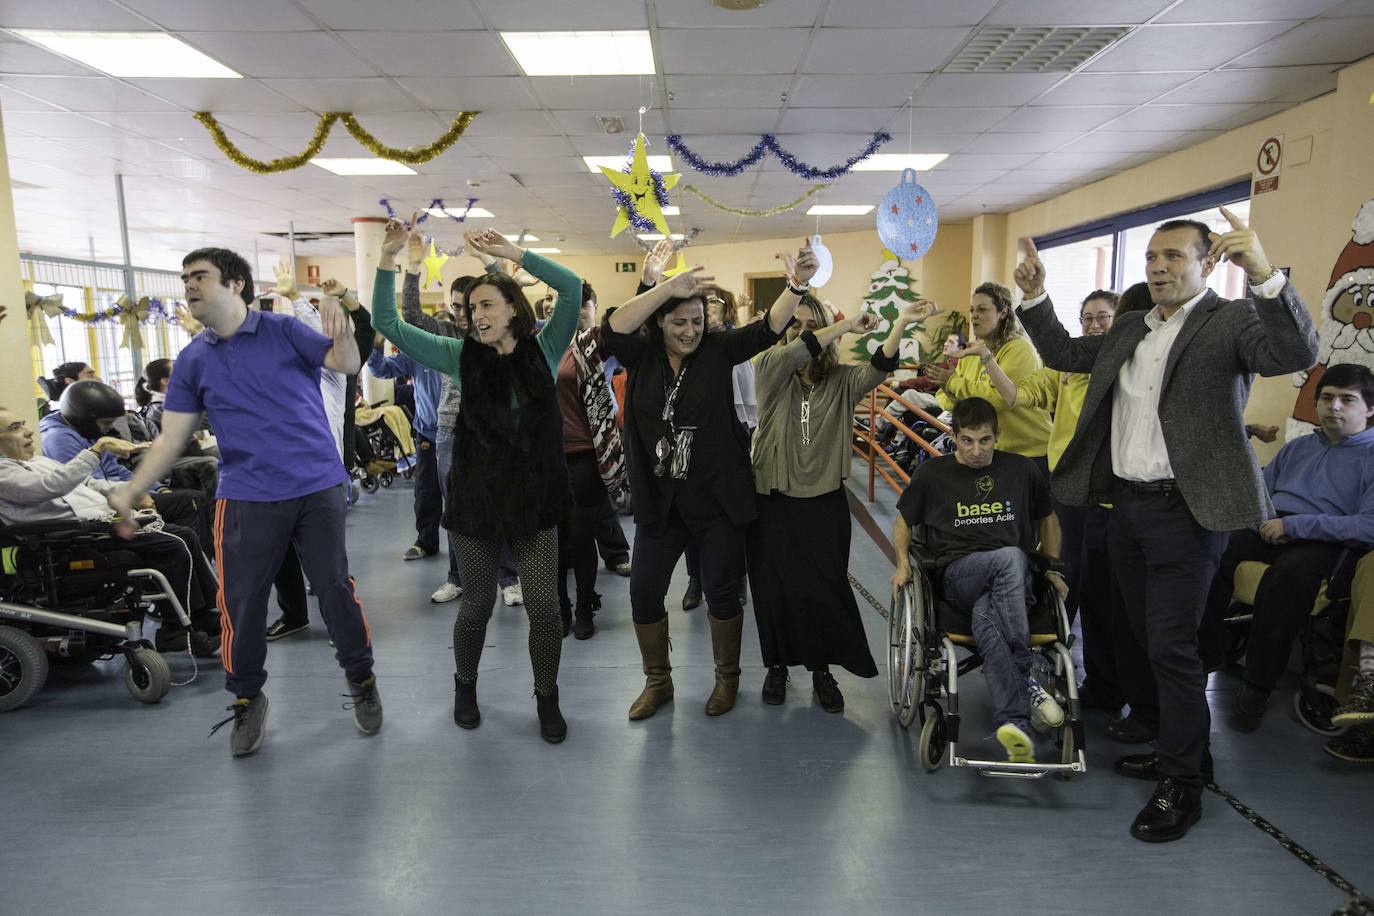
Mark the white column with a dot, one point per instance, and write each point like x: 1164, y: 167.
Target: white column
x: 367, y: 248
x: 17, y: 390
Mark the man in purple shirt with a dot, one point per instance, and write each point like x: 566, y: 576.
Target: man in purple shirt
x: 257, y: 375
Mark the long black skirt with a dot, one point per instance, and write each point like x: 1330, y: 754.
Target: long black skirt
x: 798, y: 571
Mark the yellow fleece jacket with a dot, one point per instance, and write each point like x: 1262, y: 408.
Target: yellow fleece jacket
x: 1025, y: 430
x: 1061, y: 393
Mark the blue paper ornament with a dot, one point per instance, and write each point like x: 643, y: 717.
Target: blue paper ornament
x: 907, y: 221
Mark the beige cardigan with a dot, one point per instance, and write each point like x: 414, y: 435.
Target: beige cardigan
x: 781, y: 461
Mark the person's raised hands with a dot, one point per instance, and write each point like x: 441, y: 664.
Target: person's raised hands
x: 493, y: 244
x: 919, y: 310
x: 415, y: 249
x: 975, y: 348
x: 1241, y: 246
x: 656, y: 262
x: 688, y: 283
x: 803, y: 267
x: 333, y: 320
x: 187, y: 321
x: 396, y: 237
x: 346, y: 297
x: 285, y: 285
x: 1030, y: 273
x: 863, y: 322
x: 937, y: 373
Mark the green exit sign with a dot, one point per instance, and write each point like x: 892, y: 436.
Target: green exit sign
x: 626, y: 267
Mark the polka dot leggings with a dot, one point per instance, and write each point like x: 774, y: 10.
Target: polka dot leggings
x: 536, y: 560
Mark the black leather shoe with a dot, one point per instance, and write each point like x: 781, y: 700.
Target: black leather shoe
x: 692, y: 597
x: 775, y: 686
x: 465, y: 711
x: 827, y: 691
x: 1168, y: 814
x: 1146, y: 766
x: 1131, y: 730
x: 1248, y: 709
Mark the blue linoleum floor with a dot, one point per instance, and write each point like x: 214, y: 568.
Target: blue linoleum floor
x: 110, y: 807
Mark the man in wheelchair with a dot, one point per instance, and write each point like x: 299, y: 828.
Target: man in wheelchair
x: 34, y: 488
x: 980, y: 512
x: 1322, y: 487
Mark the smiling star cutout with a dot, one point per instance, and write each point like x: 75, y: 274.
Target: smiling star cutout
x: 638, y: 186
x: 434, y: 265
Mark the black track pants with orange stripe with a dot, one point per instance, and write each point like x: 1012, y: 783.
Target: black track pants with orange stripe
x: 250, y: 540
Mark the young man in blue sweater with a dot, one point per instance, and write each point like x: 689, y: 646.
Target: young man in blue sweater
x: 1322, y: 486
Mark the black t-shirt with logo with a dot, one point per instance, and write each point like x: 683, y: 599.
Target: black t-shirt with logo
x: 956, y: 510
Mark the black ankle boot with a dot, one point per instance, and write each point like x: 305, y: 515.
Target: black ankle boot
x: 583, y: 628
x: 465, y: 711
x: 552, y: 728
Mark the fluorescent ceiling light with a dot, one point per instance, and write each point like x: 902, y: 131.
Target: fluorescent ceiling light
x: 545, y: 250
x: 658, y: 237
x: 515, y: 237
x: 460, y: 212
x: 582, y: 53
x: 660, y: 164
x: 132, y: 54
x: 896, y: 162
x: 366, y: 165
x: 840, y: 210
x: 672, y: 211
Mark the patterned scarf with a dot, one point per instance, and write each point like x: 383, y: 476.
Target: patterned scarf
x: 596, y: 396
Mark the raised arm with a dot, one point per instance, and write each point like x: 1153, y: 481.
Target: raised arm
x: 1056, y: 347
x: 1001, y: 382
x: 410, y: 287
x: 631, y: 316
x: 343, y: 355
x: 800, y: 270
x: 433, y: 350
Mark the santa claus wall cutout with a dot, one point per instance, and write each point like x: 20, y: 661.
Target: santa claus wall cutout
x: 1346, y: 324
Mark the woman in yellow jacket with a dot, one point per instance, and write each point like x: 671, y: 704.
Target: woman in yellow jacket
x: 1025, y: 430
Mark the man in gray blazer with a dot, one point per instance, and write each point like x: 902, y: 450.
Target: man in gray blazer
x: 1162, y: 437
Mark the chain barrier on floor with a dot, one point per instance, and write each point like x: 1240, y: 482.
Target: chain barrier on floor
x: 1357, y: 902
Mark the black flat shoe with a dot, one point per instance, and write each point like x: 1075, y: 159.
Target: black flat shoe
x: 552, y: 728
x: 465, y: 711
x: 775, y: 686
x: 1168, y: 814
x: 1146, y: 766
x: 1131, y: 730
x: 1248, y: 709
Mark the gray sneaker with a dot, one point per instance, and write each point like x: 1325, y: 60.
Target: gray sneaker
x: 366, y: 706
x: 250, y: 725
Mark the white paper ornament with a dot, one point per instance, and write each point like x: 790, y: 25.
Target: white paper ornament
x: 825, y: 261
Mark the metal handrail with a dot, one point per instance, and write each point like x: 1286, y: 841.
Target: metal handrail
x: 875, y: 454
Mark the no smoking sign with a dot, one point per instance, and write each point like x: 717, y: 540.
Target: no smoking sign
x: 1268, y: 164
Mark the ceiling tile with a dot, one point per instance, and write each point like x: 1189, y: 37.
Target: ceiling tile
x: 471, y: 93
x: 87, y: 93
x: 20, y: 57
x: 949, y: 120
x: 922, y: 14
x: 466, y: 53
x: 96, y: 15
x: 890, y: 50
x: 218, y: 95
x: 1075, y: 12
x: 60, y: 125
x: 1113, y: 88
x: 358, y: 94
x: 729, y: 121
x: 239, y: 16
x: 1133, y: 141
x: 806, y: 120
x: 1354, y: 8
x: 1018, y: 142
x: 1324, y: 41
x: 584, y: 92
x: 958, y: 90
x: 14, y: 99
x: 309, y: 54
x: 585, y: 123
x: 155, y: 124
x: 1257, y: 85
x: 1010, y: 159
x: 1184, y: 47
x: 711, y: 92
x: 413, y: 15
x: 1055, y: 118
x: 1242, y: 10
x: 1177, y: 117
x: 548, y: 145
x: 734, y: 51
x: 531, y: 15
x: 1087, y: 161
x: 1252, y: 114
x: 852, y: 91
x: 769, y: 15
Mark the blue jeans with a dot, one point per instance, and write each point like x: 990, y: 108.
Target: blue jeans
x: 994, y: 587
x: 443, y: 456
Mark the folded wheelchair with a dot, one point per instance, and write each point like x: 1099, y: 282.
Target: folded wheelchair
x: 63, y: 599
x: 1321, y: 640
x: 926, y: 635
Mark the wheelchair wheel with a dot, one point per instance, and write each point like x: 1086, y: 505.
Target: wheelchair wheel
x: 388, y: 478
x: 899, y: 655
x: 934, y: 739
x: 147, y: 675
x: 23, y: 668
x: 369, y: 484
x: 1315, y: 705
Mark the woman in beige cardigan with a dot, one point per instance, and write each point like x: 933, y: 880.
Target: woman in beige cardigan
x: 799, y: 545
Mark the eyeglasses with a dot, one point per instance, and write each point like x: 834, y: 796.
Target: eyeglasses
x: 1099, y: 319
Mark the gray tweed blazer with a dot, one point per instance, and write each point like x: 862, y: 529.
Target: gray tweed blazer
x: 1207, y: 379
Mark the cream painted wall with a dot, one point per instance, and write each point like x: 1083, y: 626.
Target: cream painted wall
x: 17, y: 391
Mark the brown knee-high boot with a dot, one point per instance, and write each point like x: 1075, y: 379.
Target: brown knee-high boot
x: 658, y: 674
x: 725, y: 638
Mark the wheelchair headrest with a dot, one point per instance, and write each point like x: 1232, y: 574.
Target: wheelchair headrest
x: 86, y: 402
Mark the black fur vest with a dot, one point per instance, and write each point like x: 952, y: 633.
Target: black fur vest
x: 508, y: 480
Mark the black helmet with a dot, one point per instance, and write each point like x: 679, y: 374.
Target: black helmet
x: 85, y: 402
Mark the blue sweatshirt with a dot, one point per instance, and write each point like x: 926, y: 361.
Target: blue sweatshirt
x: 61, y: 443
x: 1325, y: 492
x: 427, y: 383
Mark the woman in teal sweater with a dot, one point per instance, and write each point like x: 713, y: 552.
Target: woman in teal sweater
x: 507, y: 451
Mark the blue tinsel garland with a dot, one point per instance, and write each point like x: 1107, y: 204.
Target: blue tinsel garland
x: 436, y: 203
x: 769, y: 144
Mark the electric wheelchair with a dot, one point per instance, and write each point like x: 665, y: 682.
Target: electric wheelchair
x: 1321, y: 640
x: 925, y: 634
x: 63, y: 599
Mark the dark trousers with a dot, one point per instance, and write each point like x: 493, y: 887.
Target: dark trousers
x: 1283, y: 600
x: 610, y: 537
x: 1088, y: 568
x: 1165, y: 561
x: 577, y: 529
x: 290, y: 585
x: 721, y: 547
x: 250, y: 542
x: 176, y: 553
x: 429, y: 498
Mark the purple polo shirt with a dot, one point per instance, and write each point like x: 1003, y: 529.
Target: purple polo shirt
x: 261, y: 390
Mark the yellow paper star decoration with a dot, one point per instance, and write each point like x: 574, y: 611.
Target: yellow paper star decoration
x: 434, y: 265
x: 638, y: 183
x: 677, y: 268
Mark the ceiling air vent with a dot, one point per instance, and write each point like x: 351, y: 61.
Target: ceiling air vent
x: 1032, y: 50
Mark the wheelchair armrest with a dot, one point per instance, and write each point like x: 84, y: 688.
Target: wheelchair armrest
x: 922, y: 557
x: 55, y: 530
x: 1044, y: 563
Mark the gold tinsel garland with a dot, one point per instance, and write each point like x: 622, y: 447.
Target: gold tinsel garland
x: 739, y: 211
x: 411, y: 156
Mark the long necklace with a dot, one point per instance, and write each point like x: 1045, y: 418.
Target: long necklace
x: 806, y: 411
